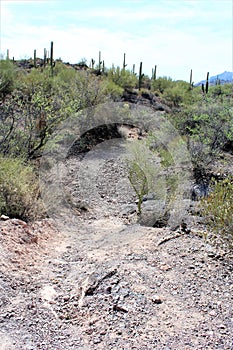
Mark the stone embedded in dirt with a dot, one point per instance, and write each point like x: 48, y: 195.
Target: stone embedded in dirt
x: 108, y: 290
x: 119, y: 308
x: 157, y: 299
x: 165, y: 267
x: 222, y: 326
x: 29, y: 238
x: 4, y: 231
x: 4, y: 217
x: 18, y: 222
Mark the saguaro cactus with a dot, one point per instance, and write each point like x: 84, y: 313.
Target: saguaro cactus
x: 34, y: 60
x: 133, y: 69
x: 100, y: 62
x: 141, y: 75
x: 207, y: 83
x: 52, y: 63
x: 124, y: 64
x: 154, y: 73
x: 205, y: 88
x: 217, y: 81
x: 45, y: 57
x: 92, y: 63
x: 191, y: 79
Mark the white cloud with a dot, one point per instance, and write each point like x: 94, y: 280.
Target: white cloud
x: 175, y: 44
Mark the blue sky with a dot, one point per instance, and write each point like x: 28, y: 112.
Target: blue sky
x: 175, y: 35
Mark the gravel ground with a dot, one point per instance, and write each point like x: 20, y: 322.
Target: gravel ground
x: 105, y: 282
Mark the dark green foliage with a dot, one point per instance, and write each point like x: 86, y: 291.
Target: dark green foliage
x: 82, y: 63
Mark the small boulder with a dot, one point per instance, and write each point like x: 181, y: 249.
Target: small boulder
x: 4, y: 217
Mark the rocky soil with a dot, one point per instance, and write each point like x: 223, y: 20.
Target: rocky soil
x: 102, y: 281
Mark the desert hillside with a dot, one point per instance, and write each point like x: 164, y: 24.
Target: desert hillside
x: 115, y: 210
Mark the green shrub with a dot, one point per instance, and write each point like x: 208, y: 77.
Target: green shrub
x: 179, y: 93
x: 161, y: 84
x: 32, y: 112
x: 122, y: 77
x: 138, y: 181
x: 112, y: 89
x: 144, y: 172
x: 8, y: 75
x: 64, y: 73
x: 175, y: 92
x: 217, y: 209
x: 25, y: 120
x: 29, y: 81
x: 207, y: 126
x: 220, y: 91
x: 18, y: 189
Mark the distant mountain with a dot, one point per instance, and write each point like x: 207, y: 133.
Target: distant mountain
x: 224, y: 78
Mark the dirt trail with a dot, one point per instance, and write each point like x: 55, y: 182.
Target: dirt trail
x: 106, y: 282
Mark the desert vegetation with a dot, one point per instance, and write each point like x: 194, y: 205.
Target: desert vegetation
x: 36, y: 97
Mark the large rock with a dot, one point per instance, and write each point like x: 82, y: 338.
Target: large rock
x: 153, y: 213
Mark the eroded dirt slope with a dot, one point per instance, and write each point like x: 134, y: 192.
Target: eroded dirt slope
x: 105, y: 282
